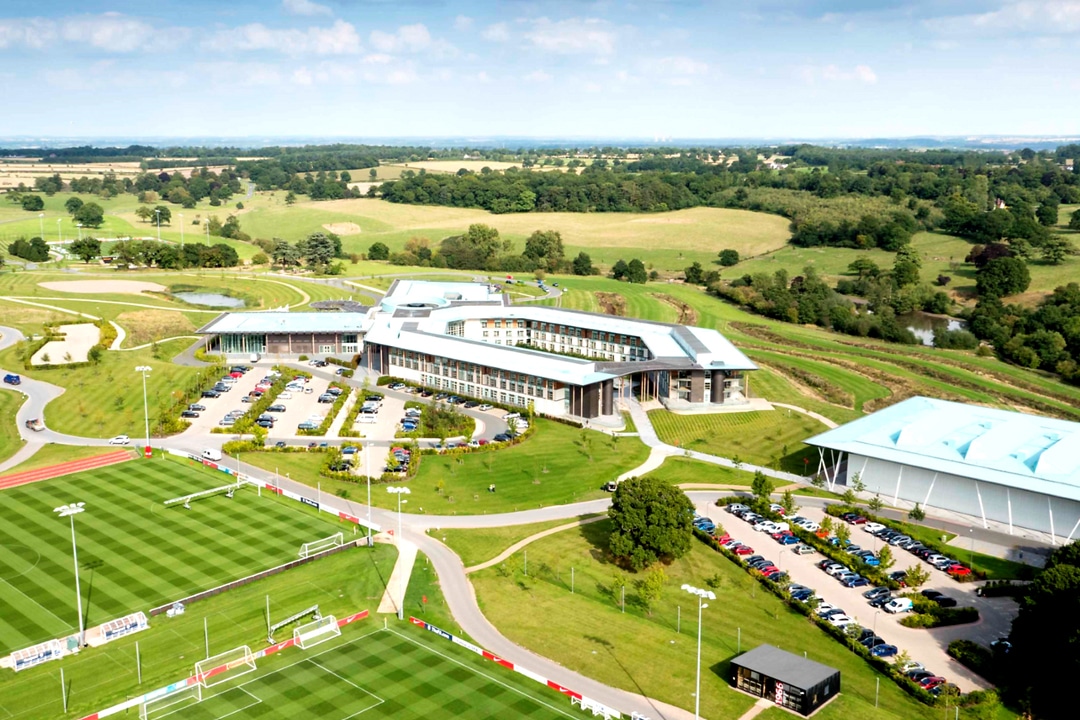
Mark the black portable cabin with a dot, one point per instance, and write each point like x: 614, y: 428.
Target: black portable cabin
x: 788, y: 680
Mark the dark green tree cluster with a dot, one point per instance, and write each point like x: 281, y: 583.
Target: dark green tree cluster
x: 651, y: 520
x: 151, y: 253
x: 34, y: 250
x: 807, y: 299
x: 900, y: 289
x: 318, y: 251
x: 482, y: 248
x: 32, y: 203
x: 633, y: 271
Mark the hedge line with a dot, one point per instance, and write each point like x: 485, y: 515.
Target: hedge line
x: 339, y: 401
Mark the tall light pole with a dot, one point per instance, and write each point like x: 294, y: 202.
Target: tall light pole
x: 41, y: 224
x: 367, y: 463
x: 59, y: 232
x: 79, y: 225
x: 70, y: 511
x: 145, y: 369
x: 399, y: 491
x: 701, y: 595
x: 181, y: 230
x: 206, y: 223
x: 157, y: 213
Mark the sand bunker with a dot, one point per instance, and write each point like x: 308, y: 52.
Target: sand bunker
x: 133, y: 287
x: 343, y: 228
x: 78, y: 339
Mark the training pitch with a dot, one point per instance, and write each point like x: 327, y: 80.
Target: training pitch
x: 382, y: 674
x: 134, y: 553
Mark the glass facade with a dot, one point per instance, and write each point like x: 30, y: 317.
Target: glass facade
x: 242, y: 344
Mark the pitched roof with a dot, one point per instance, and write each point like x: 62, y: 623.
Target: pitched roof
x: 783, y: 666
x: 1014, y: 449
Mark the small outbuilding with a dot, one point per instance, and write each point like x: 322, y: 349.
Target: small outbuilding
x: 790, y: 681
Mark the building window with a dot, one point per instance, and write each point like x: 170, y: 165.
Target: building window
x: 326, y: 349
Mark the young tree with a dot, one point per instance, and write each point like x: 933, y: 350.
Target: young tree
x: 827, y: 524
x: 849, y: 497
x: 694, y: 274
x: 788, y: 502
x: 760, y: 486
x: 916, y: 513
x: 886, y: 557
x: 1055, y: 249
x: 875, y: 503
x: 1074, y: 220
x: 857, y: 483
x: 144, y: 213
x: 843, y: 533
x: 290, y: 198
x: 651, y: 587
x: 651, y: 519
x: 378, y: 251
x: 619, y: 270
x: 86, y: 249
x: 916, y: 576
x: 162, y: 214
x: 864, y: 267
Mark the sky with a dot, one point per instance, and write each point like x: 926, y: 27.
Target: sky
x: 651, y: 69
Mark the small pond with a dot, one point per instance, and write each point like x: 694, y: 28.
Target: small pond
x: 923, y: 324
x: 210, y: 299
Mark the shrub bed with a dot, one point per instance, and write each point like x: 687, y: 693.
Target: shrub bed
x: 347, y: 429
x: 339, y: 401
x: 439, y: 420
x: 928, y: 614
x: 974, y: 657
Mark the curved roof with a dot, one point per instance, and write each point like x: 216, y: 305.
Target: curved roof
x: 1018, y: 450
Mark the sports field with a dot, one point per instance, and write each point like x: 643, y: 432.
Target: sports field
x: 382, y: 674
x: 134, y: 553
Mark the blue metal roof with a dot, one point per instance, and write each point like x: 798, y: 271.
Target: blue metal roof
x: 1003, y: 447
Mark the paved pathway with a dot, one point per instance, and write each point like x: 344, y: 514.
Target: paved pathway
x: 393, y: 598
x: 532, y: 538
x: 759, y: 707
x: 120, y: 335
x: 817, y: 416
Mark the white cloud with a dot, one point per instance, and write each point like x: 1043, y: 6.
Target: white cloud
x: 538, y: 76
x: 108, y: 73
x: 378, y: 59
x: 574, y: 36
x: 110, y: 32
x: 1050, y: 17
x: 811, y: 74
x: 499, y: 32
x: 483, y: 77
x: 463, y: 23
x: 407, y: 38
x: 307, y: 8
x: 340, y: 38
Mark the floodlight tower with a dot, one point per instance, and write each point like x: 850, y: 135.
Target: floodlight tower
x: 145, y: 370
x: 70, y: 511
x: 399, y: 491
x: 701, y: 595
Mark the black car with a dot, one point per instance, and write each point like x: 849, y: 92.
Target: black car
x: 265, y: 423
x: 326, y: 398
x: 276, y: 408
x: 940, y: 598
x: 196, y: 408
x: 189, y: 414
x: 501, y: 437
x: 471, y: 404
x: 210, y: 394
x: 881, y: 601
x: 874, y: 593
x: 279, y: 444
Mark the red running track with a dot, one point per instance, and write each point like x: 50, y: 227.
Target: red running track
x: 74, y: 466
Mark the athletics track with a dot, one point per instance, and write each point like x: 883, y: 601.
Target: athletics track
x: 74, y: 466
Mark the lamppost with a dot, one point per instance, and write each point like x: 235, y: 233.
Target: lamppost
x: 79, y: 225
x: 206, y: 224
x: 145, y: 369
x: 157, y: 213
x: 367, y: 471
x: 41, y: 224
x: 70, y: 511
x: 59, y: 232
x: 701, y: 595
x: 399, y: 491
x: 181, y: 230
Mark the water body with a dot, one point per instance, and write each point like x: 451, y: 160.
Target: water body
x: 216, y: 300
x: 924, y: 324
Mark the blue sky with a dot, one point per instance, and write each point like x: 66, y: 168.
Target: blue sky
x: 423, y: 68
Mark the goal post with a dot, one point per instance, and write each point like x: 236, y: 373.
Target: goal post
x: 317, y: 546
x: 172, y: 702
x: 225, y: 666
x: 314, y: 633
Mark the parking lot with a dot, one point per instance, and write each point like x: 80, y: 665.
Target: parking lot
x: 300, y: 405
x: 925, y: 646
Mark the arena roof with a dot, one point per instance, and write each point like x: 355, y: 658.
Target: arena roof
x: 1013, y: 449
x: 258, y: 323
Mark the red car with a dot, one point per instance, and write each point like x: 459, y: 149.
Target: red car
x: 858, y: 521
x: 744, y: 550
x: 723, y: 539
x: 237, y: 374
x: 958, y: 570
x: 780, y: 535
x: 767, y: 569
x: 931, y: 682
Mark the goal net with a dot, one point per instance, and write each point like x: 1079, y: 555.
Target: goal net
x: 317, y: 546
x: 170, y: 703
x: 313, y: 633
x: 226, y: 666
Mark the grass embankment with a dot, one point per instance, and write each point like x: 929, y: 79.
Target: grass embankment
x: 55, y: 454
x: 680, y: 470
x: 10, y: 441
x: 558, y: 464
x: 341, y: 584
x: 586, y: 630
x: 482, y: 544
x: 769, y: 438
x: 106, y: 399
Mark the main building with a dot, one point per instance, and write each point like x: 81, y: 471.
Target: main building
x: 468, y: 339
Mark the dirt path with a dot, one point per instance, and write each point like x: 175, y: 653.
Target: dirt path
x: 687, y: 314
x: 611, y: 303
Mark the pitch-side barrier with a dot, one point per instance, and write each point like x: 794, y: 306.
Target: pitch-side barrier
x: 327, y: 505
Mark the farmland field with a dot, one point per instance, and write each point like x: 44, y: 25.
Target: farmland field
x: 134, y: 552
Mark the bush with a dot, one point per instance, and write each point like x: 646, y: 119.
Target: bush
x: 937, y: 616
x: 729, y: 258
x: 973, y: 656
x: 303, y: 358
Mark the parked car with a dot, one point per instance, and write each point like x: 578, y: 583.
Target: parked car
x: 874, y: 593
x: 897, y: 605
x: 872, y: 527
x: 195, y: 407
x: 744, y: 550
x: 882, y: 600
x: 349, y: 450
x: 802, y: 549
x: 276, y: 409
x: 940, y: 598
x: 855, y: 582
x: 883, y: 651
x: 35, y: 424
x: 12, y: 379
x: 840, y: 621
x: 189, y: 414
x: 789, y: 540
x: 268, y: 424
x: 736, y: 507
x: 210, y: 394
x: 279, y: 444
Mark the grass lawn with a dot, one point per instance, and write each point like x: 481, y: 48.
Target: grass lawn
x: 481, y: 544
x: 134, y: 552
x: 679, y: 470
x: 106, y: 399
x: 759, y: 438
x: 98, y: 677
x: 586, y: 631
x: 575, y: 471
x: 53, y: 454
x: 10, y: 441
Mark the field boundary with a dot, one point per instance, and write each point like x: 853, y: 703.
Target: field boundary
x: 193, y: 680
x: 597, y: 708
x: 66, y: 468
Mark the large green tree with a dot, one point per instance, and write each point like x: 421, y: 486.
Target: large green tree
x: 545, y: 248
x: 651, y: 520
x: 90, y: 215
x: 635, y: 272
x: 1002, y: 277
x: 378, y: 251
x: 582, y: 264
x: 317, y: 249
x: 86, y: 249
x: 32, y: 203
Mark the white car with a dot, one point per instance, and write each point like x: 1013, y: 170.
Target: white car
x: 841, y: 621
x: 285, y: 396
x: 824, y: 608
x: 484, y: 407
x: 120, y: 440
x: 872, y: 527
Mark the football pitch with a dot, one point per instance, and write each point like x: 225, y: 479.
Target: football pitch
x: 134, y: 553
x: 382, y: 674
